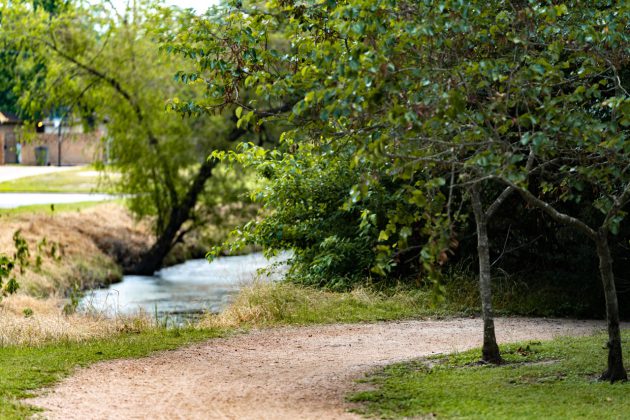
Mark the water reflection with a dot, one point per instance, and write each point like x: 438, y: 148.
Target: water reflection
x: 192, y: 287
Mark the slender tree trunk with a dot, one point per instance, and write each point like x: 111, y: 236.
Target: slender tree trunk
x: 615, y: 371
x: 152, y: 260
x: 490, y: 350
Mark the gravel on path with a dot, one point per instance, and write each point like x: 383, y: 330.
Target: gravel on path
x: 282, y: 373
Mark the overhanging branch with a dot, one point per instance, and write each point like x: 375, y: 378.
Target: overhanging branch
x: 550, y: 210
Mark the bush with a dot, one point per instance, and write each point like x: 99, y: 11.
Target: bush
x: 310, y: 206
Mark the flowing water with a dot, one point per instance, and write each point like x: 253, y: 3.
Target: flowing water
x: 181, y: 291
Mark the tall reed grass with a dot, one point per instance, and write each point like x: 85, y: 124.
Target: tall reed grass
x: 279, y: 303
x: 27, y: 321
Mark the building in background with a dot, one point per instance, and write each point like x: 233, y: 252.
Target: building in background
x: 9, y: 126
x: 55, y: 142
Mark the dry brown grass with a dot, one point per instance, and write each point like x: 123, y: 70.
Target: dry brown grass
x: 91, y: 243
x: 25, y: 320
x: 279, y: 303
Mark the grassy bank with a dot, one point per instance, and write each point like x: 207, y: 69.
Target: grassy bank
x: 68, y: 251
x: 554, y: 379
x: 52, y: 209
x: 265, y: 304
x: 28, y: 321
x: 78, y: 248
x: 25, y: 369
x: 271, y: 304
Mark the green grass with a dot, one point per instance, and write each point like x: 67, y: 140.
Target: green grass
x: 80, y: 180
x: 24, y: 369
x: 270, y: 304
x: 55, y: 208
x: 548, y: 380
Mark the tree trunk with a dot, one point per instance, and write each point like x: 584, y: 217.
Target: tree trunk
x: 152, y: 260
x: 615, y: 371
x: 490, y: 350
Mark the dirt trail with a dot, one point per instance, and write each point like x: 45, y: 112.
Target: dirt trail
x: 285, y: 373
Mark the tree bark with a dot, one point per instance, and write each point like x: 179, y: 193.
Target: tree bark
x: 490, y: 351
x: 615, y: 371
x: 152, y: 260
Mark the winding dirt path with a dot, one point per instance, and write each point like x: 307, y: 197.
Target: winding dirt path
x: 284, y: 373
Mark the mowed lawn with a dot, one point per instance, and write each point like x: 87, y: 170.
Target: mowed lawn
x: 541, y: 380
x: 80, y: 180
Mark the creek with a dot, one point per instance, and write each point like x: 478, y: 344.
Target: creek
x: 180, y: 292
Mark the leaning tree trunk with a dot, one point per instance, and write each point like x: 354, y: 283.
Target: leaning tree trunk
x: 615, y: 371
x: 490, y: 350
x: 152, y: 260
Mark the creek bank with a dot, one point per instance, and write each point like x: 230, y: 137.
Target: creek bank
x: 70, y: 251
x: 74, y: 250
x: 89, y: 248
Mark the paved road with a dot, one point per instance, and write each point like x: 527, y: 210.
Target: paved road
x: 11, y: 172
x: 13, y: 200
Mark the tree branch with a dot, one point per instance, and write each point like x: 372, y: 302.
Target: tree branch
x: 508, y: 190
x: 618, y: 203
x: 551, y: 211
x: 117, y: 86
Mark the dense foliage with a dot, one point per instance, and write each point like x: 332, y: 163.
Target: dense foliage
x: 307, y: 208
x: 407, y: 82
x: 447, y: 100
x: 99, y: 66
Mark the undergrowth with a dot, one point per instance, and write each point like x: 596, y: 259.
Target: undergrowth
x: 284, y: 303
x: 545, y: 295
x: 269, y: 304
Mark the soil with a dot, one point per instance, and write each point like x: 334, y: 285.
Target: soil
x: 93, y: 243
x: 283, y: 373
